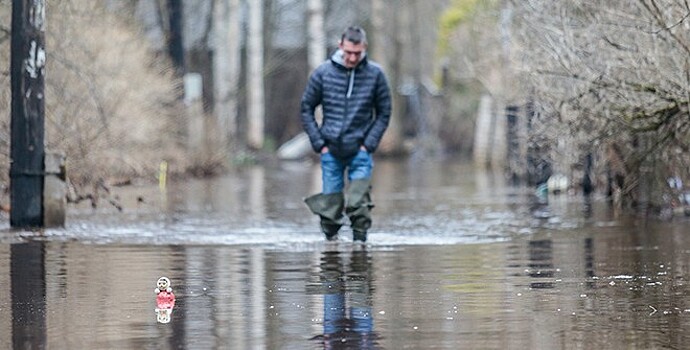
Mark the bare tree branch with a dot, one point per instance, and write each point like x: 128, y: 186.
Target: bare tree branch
x: 658, y: 16
x: 5, y: 33
x: 616, y: 72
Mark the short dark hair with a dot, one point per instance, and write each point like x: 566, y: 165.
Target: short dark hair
x: 354, y: 34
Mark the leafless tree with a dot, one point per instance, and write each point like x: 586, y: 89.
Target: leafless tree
x: 316, y: 33
x: 226, y: 62
x: 473, y: 47
x: 614, y: 76
x: 255, y: 62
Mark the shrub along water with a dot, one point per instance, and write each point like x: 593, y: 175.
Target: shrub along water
x: 111, y: 104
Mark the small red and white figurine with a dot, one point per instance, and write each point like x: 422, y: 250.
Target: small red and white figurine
x: 165, y: 300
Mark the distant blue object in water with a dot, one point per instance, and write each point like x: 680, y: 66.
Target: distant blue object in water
x: 542, y: 193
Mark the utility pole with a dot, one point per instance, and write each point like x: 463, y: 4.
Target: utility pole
x: 175, y: 43
x: 27, y: 65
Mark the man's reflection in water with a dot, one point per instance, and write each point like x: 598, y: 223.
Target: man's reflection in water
x: 345, y: 286
x: 589, y: 262
x: 541, y: 263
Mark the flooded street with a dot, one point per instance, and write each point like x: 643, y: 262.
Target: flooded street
x: 454, y: 260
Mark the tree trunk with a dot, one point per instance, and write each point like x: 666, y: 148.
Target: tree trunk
x: 226, y: 65
x: 175, y: 43
x: 317, y: 41
x: 392, y: 139
x: 255, y: 62
x: 299, y: 145
x: 317, y: 34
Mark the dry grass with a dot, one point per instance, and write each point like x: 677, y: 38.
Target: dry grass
x: 111, y: 107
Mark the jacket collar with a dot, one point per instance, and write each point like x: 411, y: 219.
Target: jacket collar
x: 337, y: 59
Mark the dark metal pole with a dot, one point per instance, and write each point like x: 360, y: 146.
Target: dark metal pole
x: 28, y: 59
x: 175, y: 43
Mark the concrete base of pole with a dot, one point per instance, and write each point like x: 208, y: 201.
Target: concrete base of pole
x: 54, y: 190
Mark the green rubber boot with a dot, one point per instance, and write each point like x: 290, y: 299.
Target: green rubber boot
x: 359, y: 207
x: 329, y: 207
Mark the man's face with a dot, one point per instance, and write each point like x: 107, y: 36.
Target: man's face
x: 352, y: 53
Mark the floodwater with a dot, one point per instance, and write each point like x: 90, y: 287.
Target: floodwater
x: 455, y: 260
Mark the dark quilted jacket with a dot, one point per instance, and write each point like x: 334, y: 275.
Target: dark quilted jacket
x: 356, y: 107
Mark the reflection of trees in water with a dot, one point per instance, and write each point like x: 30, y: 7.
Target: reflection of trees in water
x: 221, y: 299
x: 28, y: 295
x: 541, y: 263
x: 589, y: 261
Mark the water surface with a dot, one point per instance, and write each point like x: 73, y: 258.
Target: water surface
x: 454, y: 260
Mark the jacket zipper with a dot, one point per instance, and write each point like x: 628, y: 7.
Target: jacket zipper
x: 350, y: 85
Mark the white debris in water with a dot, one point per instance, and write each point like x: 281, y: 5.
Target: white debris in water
x: 654, y: 310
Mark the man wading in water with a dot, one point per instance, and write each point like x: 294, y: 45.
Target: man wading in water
x: 354, y: 95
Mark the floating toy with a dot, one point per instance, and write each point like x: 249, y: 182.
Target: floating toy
x: 165, y: 300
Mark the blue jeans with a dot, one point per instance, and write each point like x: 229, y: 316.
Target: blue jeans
x: 333, y: 170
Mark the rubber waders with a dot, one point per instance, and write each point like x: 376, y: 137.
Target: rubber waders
x: 359, y: 207
x: 329, y: 207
